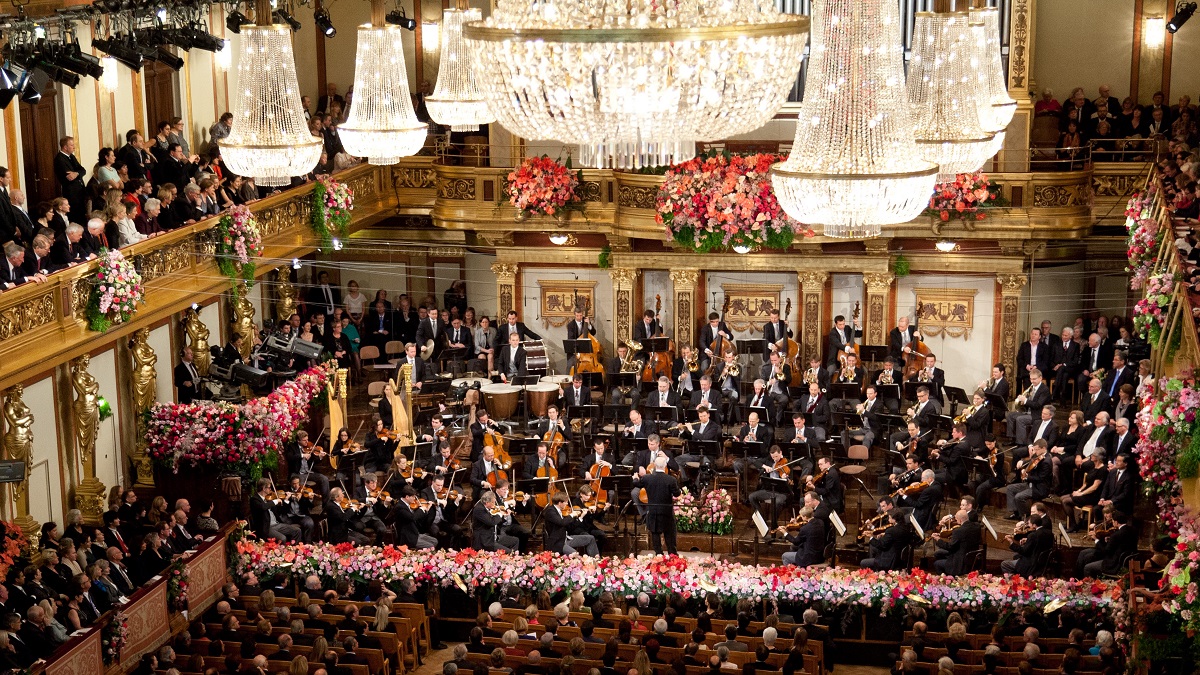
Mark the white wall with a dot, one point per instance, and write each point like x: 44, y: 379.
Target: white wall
x: 45, y: 479
x: 1054, y: 293
x: 481, y: 284
x: 1185, y: 49
x: 529, y: 309
x: 103, y: 367
x: 1112, y: 294
x: 160, y: 342
x: 715, y: 298
x: 1083, y: 43
x: 847, y: 290
x: 210, y: 316
x: 967, y: 359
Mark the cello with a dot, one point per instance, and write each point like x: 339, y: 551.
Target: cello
x: 658, y: 364
x: 547, y: 470
x: 593, y: 362
x: 789, y: 350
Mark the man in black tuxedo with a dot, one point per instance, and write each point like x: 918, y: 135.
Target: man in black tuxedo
x: 430, y: 330
x: 557, y: 526
x: 707, y: 397
x: 661, y: 490
x: 1029, y: 407
x: 1120, y: 490
x: 704, y: 429
x: 647, y: 328
x: 1032, y: 355
x: 829, y: 487
x: 1031, y: 548
x: 324, y: 297
x: 1035, y: 475
x: 814, y: 403
x: 841, y: 339
x: 420, y: 369
x: 264, y: 521
x: 511, y: 359
x: 69, y: 173
x: 1043, y: 429
x: 933, y: 377
x: 378, y: 326
x: 19, y: 227
x: 951, y: 556
x: 868, y: 421
x: 808, y: 544
x: 174, y: 168
x: 923, y: 413
x: 37, y: 257
x: 1121, y: 374
x: 752, y: 431
x: 1064, y: 362
x: 456, y: 336
x: 1125, y: 439
x: 186, y: 378
x: 953, y: 454
x: 1110, y: 553
x: 925, y: 504
x: 577, y: 394
x: 1094, y: 401
x: 777, y: 375
x: 775, y: 331
x: 12, y: 270
x: 664, y: 396
x: 900, y: 339
x: 1091, y: 359
x: 999, y: 382
x: 887, y: 547
x: 510, y: 326
x: 577, y: 328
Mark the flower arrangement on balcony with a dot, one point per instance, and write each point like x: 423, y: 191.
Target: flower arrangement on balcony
x: 238, y: 244
x: 114, y: 637
x: 177, y: 585
x: 15, y: 547
x: 722, y: 201
x: 544, y: 186
x: 332, y: 202
x: 1145, y: 239
x: 116, y: 291
x: 964, y: 199
x: 1150, y: 313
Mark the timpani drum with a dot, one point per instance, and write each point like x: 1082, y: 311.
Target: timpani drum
x: 537, y: 361
x: 560, y: 380
x: 540, y: 396
x: 501, y: 400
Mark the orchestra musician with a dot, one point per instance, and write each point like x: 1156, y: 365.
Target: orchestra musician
x: 814, y: 403
x: 841, y: 339
x: 483, y: 422
x: 592, y: 513
x: 900, y: 340
x: 923, y: 413
x: 998, y: 383
x: 554, y: 422
x: 707, y: 397
x: 444, y: 510
x: 685, y: 372
x: 635, y: 429
x: 1112, y: 550
x: 621, y: 363
x: 412, y: 517
x: 577, y: 394
x: 557, y: 526
x: 342, y: 525
x: 759, y: 398
x: 540, y: 460
x: 661, y: 490
x: 774, y: 331
x: 777, y: 374
x: 510, y: 327
x: 654, y: 449
x: 752, y: 432
x: 800, y: 438
x: 815, y: 373
x: 430, y: 329
x: 664, y: 397
x: 708, y: 334
x: 647, y: 328
x: 1120, y: 489
x: 1032, y: 355
x: 457, y: 336
x: 925, y: 502
x: 488, y: 531
x: 829, y: 486
x: 808, y: 544
x: 1065, y: 359
x: 997, y: 477
x: 868, y: 417
x: 979, y: 421
x: 265, y: 521
x: 1030, y: 547
x: 878, y: 522
x: 297, y: 508
x: 511, y: 360
x: 444, y: 463
x: 933, y: 377
x: 775, y: 467
x: 484, y: 467
x: 850, y: 373
x: 374, y: 511
x: 951, y: 555
x: 1029, y: 407
x: 577, y: 328
x: 511, y: 526
x: 890, y: 374
x: 703, y: 429
x: 303, y: 457
x: 886, y: 548
x: 380, y: 445
x: 903, y: 477
x: 600, y: 454
x: 1089, y: 491
x: 437, y: 431
x: 1034, y: 476
x: 728, y: 374
x: 952, y: 454
x: 1046, y: 430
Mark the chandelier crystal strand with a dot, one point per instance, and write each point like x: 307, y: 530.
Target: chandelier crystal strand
x: 1003, y: 106
x: 456, y: 100
x: 941, y: 92
x: 269, y: 139
x: 853, y: 166
x: 382, y: 125
x: 637, y: 82
x: 988, y: 119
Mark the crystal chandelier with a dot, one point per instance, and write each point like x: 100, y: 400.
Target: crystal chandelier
x: 269, y: 139
x: 382, y: 125
x: 1003, y: 106
x: 988, y: 120
x: 854, y: 166
x: 457, y: 101
x: 941, y: 91
x: 639, y: 82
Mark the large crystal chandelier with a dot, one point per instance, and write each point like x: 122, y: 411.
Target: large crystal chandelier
x: 988, y: 118
x: 1002, y: 105
x: 457, y: 101
x: 269, y: 139
x: 382, y: 125
x: 636, y: 82
x: 942, y: 90
x: 853, y: 166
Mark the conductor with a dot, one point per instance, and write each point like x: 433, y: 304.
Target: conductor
x: 661, y: 490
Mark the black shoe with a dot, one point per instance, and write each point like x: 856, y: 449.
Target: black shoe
x: 439, y: 646
x: 1076, y: 528
x: 1013, y: 516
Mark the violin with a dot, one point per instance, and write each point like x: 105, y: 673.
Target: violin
x: 912, y: 489
x: 816, y: 477
x: 412, y: 471
x: 1030, y: 467
x: 423, y: 504
x: 379, y: 494
x: 388, y: 435
x: 309, y: 449
x: 451, y: 464
x: 302, y: 493
x: 447, y: 495
x: 793, y: 524
x: 869, y: 528
x: 349, y: 504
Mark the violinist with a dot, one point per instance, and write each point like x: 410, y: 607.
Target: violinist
x: 437, y: 431
x: 923, y: 413
x: 546, y: 429
x: 297, y: 506
x: 926, y: 500
x: 379, y: 443
x: 266, y: 518
x: 444, y: 463
x: 1029, y: 546
x: 953, y: 453
x: 341, y: 521
x: 557, y: 521
x: 375, y: 505
x: 483, y: 423
x: 1032, y: 482
x: 776, y: 467
x: 827, y: 483
x: 304, y: 461
x: 902, y: 478
x: 411, y: 517
x: 887, y: 547
x: 486, y: 467
x: 996, y: 477
x: 512, y: 527
x: 488, y: 520
x: 593, y: 513
x: 878, y: 523
x: 445, y: 505
x: 402, y: 473
x: 915, y: 440
x: 814, y: 403
x: 951, y: 555
x: 808, y: 544
x: 1112, y: 549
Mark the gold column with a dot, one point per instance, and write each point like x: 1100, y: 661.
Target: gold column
x: 243, y: 318
x: 1009, y: 302
x: 197, y: 334
x: 623, y: 279
x: 18, y: 445
x: 875, y: 325
x: 685, y: 303
x: 506, y: 288
x: 89, y: 494
x: 1014, y: 156
x: 1149, y: 61
x: 285, y: 294
x: 812, y: 299
x: 145, y: 386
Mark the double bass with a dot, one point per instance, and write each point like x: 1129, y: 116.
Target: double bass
x: 914, y: 360
x: 658, y: 364
x: 841, y: 356
x: 789, y: 351
x: 593, y: 362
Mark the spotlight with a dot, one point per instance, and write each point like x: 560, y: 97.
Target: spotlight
x: 76, y: 61
x: 397, y: 17
x: 10, y: 86
x: 58, y: 74
x: 337, y: 244
x: 324, y: 24
x: 559, y: 238
x: 35, y: 82
x: 295, y: 263
x: 284, y: 16
x: 235, y: 21
x: 946, y: 246
x: 119, y: 51
x: 169, y: 60
x: 202, y: 39
x: 1183, y: 12
x: 195, y: 307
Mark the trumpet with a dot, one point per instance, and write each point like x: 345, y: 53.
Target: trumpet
x: 780, y: 375
x: 910, y: 415
x: 693, y: 364
x: 732, y: 370
x: 847, y: 374
x: 1023, y: 397
x: 966, y: 414
x: 987, y: 384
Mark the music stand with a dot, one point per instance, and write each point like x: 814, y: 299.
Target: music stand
x: 997, y: 403
x: 454, y: 355
x: 910, y: 389
x: 846, y: 390
x: 525, y: 380
x: 617, y: 380
x: 523, y: 447
x: 741, y: 449
x: 693, y: 415
x: 888, y: 392
x: 872, y: 353
x: 588, y: 413
x: 763, y: 415
x: 781, y: 487
x: 594, y: 381
x: 656, y: 344
x: 957, y: 396
x: 943, y: 423
x: 577, y: 346
x: 660, y: 414
x: 751, y: 346
x: 706, y: 449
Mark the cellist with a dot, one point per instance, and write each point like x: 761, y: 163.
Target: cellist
x: 578, y: 328
x: 549, y: 429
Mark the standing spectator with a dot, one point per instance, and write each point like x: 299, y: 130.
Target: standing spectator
x: 330, y: 96
x: 133, y: 155
x: 455, y: 298
x: 1106, y: 98
x: 70, y: 173
x: 104, y: 173
x: 219, y: 132
x: 355, y: 303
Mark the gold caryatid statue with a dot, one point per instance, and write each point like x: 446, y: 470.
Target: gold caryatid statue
x: 145, y: 377
x: 87, y: 410
x: 197, y: 334
x: 243, y: 320
x: 285, y: 295
x: 18, y: 439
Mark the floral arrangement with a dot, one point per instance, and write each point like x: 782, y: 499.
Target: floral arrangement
x: 332, y: 202
x: 543, y: 186
x: 963, y: 198
x: 15, y: 546
x: 1150, y: 313
x: 719, y: 200
x: 1181, y: 575
x: 1144, y: 239
x: 687, y: 514
x: 238, y: 243
x: 662, y: 575
x: 116, y: 291
x: 1170, y: 418
x: 177, y: 585
x: 114, y: 637
x: 716, y: 512
x: 217, y: 433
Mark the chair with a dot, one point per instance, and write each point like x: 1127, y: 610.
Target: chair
x: 368, y: 353
x: 394, y: 350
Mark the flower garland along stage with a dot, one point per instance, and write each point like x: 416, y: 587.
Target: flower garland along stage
x: 244, y: 437
x: 543, y: 186
x: 662, y: 575
x: 712, y: 514
x: 332, y: 202
x: 719, y: 200
x: 1150, y: 313
x: 116, y: 291
x: 238, y: 243
x: 964, y: 198
x: 1144, y: 240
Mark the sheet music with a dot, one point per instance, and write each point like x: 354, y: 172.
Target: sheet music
x: 760, y: 523
x: 988, y: 524
x: 916, y: 526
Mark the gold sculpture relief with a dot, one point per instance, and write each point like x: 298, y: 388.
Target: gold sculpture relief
x: 285, y: 294
x: 456, y: 188
x: 683, y: 318
x: 624, y: 330
x: 623, y: 276
x: 1019, y: 44
x: 18, y: 442
x: 28, y: 315
x: 505, y: 271
x: 243, y: 319
x: 414, y: 179
x: 634, y: 197
x: 87, y: 411
x: 811, y: 279
x: 145, y: 377
x: 878, y: 282
x: 197, y: 334
x: 812, y: 325
x: 1011, y: 284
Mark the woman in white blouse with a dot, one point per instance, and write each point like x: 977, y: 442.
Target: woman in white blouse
x: 355, y: 302
x: 125, y: 226
x: 1145, y: 380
